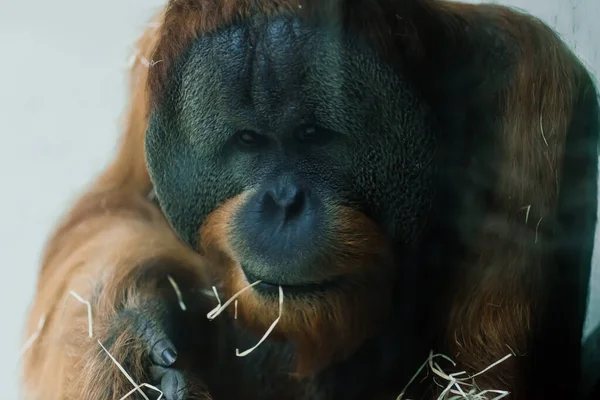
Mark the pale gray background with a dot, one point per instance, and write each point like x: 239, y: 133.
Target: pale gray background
x: 62, y: 90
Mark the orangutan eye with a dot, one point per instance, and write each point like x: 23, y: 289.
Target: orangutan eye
x: 312, y: 134
x: 307, y: 133
x: 250, y: 139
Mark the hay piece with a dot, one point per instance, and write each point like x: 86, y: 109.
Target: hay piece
x: 214, y: 288
x: 219, y: 309
x: 528, y: 208
x: 129, y: 378
x: 491, y: 366
x: 235, y: 305
x: 436, y: 369
x: 537, y: 227
x: 89, y: 309
x: 27, y: 345
x: 215, y: 294
x: 177, y: 292
x: 431, y: 356
x: 143, y: 60
x: 207, y: 292
x: 457, y: 386
x: 131, y: 61
x: 132, y: 391
x: 137, y: 55
x: 250, y: 350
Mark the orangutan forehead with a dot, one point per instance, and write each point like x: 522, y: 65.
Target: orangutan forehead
x: 186, y: 20
x: 266, y: 70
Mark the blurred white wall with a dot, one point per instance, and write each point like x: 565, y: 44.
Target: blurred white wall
x: 61, y: 96
x: 62, y: 93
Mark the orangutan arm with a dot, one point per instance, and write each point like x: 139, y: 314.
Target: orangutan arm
x: 115, y: 250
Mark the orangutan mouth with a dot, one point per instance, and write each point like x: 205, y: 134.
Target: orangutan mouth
x: 266, y: 286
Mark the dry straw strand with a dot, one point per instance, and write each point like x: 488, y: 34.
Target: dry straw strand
x: 220, y: 308
x: 460, y: 388
x: 132, y: 391
x: 137, y: 55
x: 215, y: 294
x: 250, y: 350
x: 528, y: 208
x: 129, y: 378
x: 89, y: 310
x: 177, y: 292
x: 27, y: 345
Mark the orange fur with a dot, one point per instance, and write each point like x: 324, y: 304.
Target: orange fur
x: 99, y: 250
x: 185, y: 20
x: 493, y: 309
x: 113, y: 231
x: 326, y: 327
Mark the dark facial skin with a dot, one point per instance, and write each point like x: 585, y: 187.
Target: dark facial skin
x: 300, y: 118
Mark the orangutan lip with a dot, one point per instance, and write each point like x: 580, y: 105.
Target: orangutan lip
x: 270, y: 287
